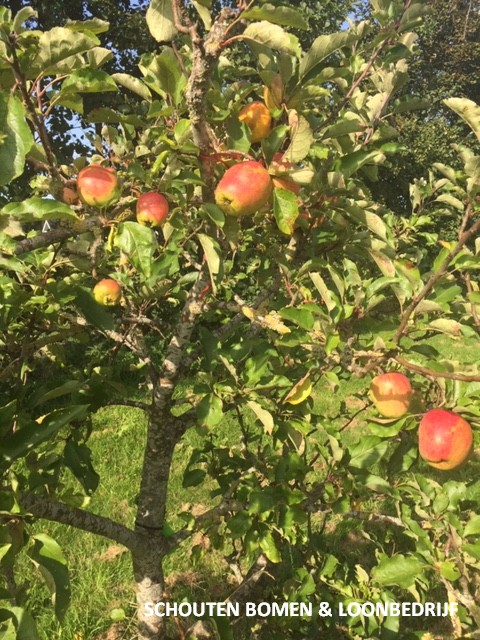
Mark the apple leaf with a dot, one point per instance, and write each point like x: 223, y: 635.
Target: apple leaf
x: 212, y: 256
x: 272, y: 36
x: 34, y: 433
x: 300, y: 391
x: 210, y: 410
x: 48, y: 557
x: 15, y: 138
x: 57, y: 45
x: 268, y: 546
x: 472, y: 528
x: 160, y: 20
x: 162, y: 73
x: 132, y: 84
x: 400, y: 570
x: 93, y: 25
x: 323, y: 47
x: 138, y: 242
x: 301, y: 137
x: 263, y: 415
x: 285, y: 210
x: 285, y: 16
x: 204, y: 13
x: 39, y: 209
x: 88, y: 81
x: 18, y: 621
x: 368, y: 452
x: 468, y: 110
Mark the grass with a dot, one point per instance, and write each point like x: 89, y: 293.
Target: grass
x: 101, y: 572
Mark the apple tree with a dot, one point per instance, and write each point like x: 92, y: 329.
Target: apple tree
x: 241, y: 311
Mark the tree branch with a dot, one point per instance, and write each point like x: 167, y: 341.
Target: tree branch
x: 78, y: 518
x: 56, y: 235
x: 429, y: 373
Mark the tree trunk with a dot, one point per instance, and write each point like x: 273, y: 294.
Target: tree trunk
x: 148, y: 571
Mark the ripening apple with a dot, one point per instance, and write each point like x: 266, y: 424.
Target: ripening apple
x: 107, y: 292
x: 152, y: 209
x: 97, y: 186
x: 391, y: 394
x: 445, y: 439
x: 244, y: 189
x: 257, y: 117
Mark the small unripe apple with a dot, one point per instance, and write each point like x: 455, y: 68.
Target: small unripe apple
x: 244, y: 189
x: 107, y: 292
x: 97, y: 185
x: 257, y: 117
x: 152, y: 209
x: 391, y: 394
x: 445, y: 439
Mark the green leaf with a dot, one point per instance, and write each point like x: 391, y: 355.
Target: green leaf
x: 210, y: 410
x: 21, y: 625
x: 263, y: 415
x: 139, y: 243
x: 94, y: 25
x: 323, y: 47
x: 132, y: 84
x: 400, y: 570
x: 78, y: 459
x: 472, y: 528
x: 371, y: 220
x: 212, y: 255
x: 351, y: 163
x: 15, y: 138
x: 468, y: 110
x: 239, y: 524
x: 39, y: 209
x: 472, y: 550
x: 285, y: 210
x: 34, y: 433
x: 88, y: 81
x: 21, y: 17
x: 204, y: 13
x: 64, y: 389
x: 449, y: 570
x: 302, y: 317
x: 57, y: 45
x: 193, y: 477
x: 268, y: 546
x: 163, y: 74
x: 160, y: 20
x: 301, y: 136
x: 285, y: 16
x: 368, y: 452
x: 48, y: 557
x: 272, y: 36
x: 94, y: 313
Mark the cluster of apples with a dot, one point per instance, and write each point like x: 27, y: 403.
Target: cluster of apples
x: 99, y: 186
x: 445, y: 439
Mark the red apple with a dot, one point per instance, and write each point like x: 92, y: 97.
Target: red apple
x: 391, y: 394
x: 152, y: 209
x: 445, y: 439
x: 257, y: 117
x: 97, y: 185
x: 107, y: 292
x: 244, y: 189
